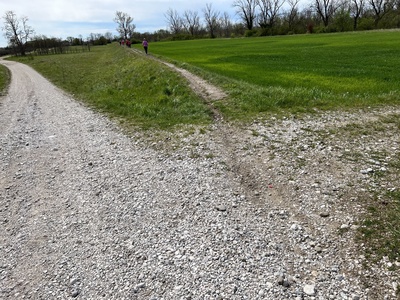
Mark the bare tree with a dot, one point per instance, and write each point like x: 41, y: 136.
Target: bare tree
x: 125, y: 26
x: 211, y: 17
x: 225, y: 25
x: 269, y: 12
x: 326, y: 9
x: 191, y: 21
x: 246, y: 9
x: 17, y: 31
x: 356, y: 9
x: 292, y: 14
x: 380, y: 8
x: 174, y: 21
x: 70, y: 39
x: 92, y: 37
x: 109, y: 36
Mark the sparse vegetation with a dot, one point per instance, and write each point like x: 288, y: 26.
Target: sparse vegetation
x: 295, y: 74
x: 4, y: 79
x: 380, y: 227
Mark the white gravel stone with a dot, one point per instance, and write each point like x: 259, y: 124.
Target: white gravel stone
x: 309, y: 289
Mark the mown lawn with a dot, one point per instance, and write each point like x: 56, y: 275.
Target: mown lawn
x: 296, y: 73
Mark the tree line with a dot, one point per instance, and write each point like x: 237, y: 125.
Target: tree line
x: 280, y: 17
x: 255, y: 18
x: 270, y: 17
x: 23, y: 39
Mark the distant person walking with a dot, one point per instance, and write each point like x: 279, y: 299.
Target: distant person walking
x: 145, y: 45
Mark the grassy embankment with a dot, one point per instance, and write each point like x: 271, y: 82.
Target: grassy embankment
x: 4, y: 79
x: 124, y: 85
x: 290, y: 74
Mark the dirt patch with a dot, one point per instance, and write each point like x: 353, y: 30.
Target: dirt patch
x: 199, y: 85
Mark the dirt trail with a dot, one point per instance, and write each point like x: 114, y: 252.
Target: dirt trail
x: 208, y: 92
x: 223, y: 131
x: 199, y: 85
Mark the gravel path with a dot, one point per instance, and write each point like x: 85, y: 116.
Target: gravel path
x: 253, y: 212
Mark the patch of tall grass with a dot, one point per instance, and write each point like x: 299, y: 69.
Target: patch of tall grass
x: 125, y: 85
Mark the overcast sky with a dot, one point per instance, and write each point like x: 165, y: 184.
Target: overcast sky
x: 64, y: 18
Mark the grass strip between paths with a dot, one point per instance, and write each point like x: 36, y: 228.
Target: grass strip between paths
x: 125, y: 85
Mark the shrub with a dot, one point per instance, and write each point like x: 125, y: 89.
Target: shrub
x: 366, y: 24
x: 250, y: 33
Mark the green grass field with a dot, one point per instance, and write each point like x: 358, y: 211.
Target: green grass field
x: 296, y: 73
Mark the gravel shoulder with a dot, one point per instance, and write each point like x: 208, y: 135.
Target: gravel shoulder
x: 238, y: 212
